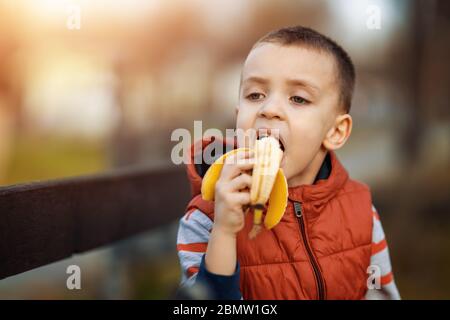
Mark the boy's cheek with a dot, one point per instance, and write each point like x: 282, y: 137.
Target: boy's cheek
x: 244, y: 141
x: 244, y: 129
x: 242, y: 118
x: 306, y: 135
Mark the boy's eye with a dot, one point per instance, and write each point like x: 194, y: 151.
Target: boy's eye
x: 299, y: 100
x: 255, y: 96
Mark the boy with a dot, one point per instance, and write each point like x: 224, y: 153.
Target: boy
x: 330, y: 240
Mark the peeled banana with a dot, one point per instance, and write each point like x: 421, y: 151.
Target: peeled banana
x: 267, y: 164
x: 268, y: 183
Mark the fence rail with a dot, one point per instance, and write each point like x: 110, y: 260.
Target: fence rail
x: 43, y: 222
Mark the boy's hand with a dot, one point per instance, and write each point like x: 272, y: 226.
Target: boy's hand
x: 232, y: 192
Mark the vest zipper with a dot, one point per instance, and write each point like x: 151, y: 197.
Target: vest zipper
x: 312, y: 259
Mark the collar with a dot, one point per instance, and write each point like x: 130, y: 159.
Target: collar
x: 316, y: 195
x: 325, y: 169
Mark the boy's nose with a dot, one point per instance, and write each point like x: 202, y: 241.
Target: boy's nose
x: 272, y: 109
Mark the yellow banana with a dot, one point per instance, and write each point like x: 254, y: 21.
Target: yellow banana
x: 268, y: 183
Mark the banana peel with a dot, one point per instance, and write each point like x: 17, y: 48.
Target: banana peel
x: 213, y: 173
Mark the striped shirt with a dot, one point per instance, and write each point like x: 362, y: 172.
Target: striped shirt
x: 193, y: 235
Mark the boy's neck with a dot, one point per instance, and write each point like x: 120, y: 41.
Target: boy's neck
x: 309, y: 175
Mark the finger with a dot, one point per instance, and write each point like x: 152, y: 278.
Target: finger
x: 240, y: 182
x: 242, y: 198
x: 245, y: 153
x: 237, y: 163
x: 239, y: 156
x: 245, y: 164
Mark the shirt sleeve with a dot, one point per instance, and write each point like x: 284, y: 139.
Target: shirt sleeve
x: 384, y: 287
x: 196, y: 281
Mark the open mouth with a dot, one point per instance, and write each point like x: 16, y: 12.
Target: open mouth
x: 266, y: 133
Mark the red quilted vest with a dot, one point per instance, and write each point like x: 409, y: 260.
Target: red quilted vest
x: 321, y: 248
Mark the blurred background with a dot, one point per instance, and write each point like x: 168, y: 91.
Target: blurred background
x: 92, y: 85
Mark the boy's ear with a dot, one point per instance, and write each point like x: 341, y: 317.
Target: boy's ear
x: 339, y: 132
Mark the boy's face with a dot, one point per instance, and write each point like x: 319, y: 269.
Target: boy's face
x: 294, y: 90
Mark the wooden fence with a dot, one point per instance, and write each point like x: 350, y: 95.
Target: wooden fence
x: 43, y: 222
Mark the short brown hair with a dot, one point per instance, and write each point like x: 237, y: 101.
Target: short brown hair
x: 310, y: 38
